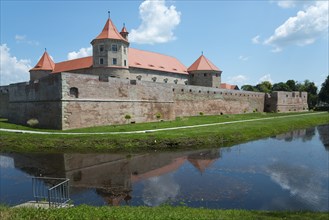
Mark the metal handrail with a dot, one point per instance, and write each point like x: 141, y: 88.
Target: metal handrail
x: 57, y: 195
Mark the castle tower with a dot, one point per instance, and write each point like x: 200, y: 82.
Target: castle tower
x: 204, y: 73
x: 110, y: 48
x: 124, y: 33
x: 43, y: 68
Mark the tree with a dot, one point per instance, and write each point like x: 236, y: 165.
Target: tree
x: 249, y: 88
x: 280, y: 87
x: 311, y: 89
x: 324, y: 92
x: 292, y: 85
x: 264, y: 86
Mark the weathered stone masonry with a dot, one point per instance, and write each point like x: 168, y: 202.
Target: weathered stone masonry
x: 66, y: 101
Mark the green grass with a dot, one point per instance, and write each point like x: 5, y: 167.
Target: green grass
x: 155, y: 213
x: 196, y: 138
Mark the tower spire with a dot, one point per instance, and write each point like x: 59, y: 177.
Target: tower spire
x: 109, y: 14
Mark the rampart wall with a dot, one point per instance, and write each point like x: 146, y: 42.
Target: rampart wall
x: 71, y: 100
x: 40, y: 99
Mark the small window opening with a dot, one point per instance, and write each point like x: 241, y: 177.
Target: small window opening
x: 74, y: 92
x: 114, y: 47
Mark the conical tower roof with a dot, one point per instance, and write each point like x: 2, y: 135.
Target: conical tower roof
x: 124, y: 30
x: 110, y: 32
x: 45, y: 63
x: 202, y: 63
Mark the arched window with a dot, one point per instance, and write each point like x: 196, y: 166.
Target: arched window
x: 74, y: 92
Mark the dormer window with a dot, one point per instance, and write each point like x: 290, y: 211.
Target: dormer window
x: 101, y: 48
x: 114, y: 47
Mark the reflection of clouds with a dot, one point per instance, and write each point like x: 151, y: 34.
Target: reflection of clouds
x: 159, y: 189
x: 324, y: 135
x: 6, y: 162
x: 301, y: 182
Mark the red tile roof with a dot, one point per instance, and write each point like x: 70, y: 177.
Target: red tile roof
x: 155, y: 61
x: 80, y: 63
x: 228, y: 86
x: 110, y: 32
x: 45, y: 63
x: 202, y: 63
x: 137, y: 59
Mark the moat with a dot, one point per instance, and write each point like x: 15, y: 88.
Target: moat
x: 286, y: 172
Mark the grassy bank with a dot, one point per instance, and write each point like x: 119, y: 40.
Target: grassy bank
x: 163, y: 212
x: 193, y: 138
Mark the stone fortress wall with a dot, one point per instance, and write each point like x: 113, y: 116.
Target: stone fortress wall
x: 71, y: 100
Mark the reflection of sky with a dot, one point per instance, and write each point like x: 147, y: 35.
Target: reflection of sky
x: 158, y: 190
x: 6, y: 162
x: 308, y: 186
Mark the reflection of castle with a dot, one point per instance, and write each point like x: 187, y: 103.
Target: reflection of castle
x: 112, y: 175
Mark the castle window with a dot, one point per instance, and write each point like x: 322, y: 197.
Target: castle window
x: 74, y: 92
x: 101, y: 48
x: 114, y: 61
x: 165, y: 80
x: 114, y: 47
x: 205, y: 74
x: 124, y: 50
x: 125, y: 62
x: 216, y: 74
x: 185, y: 82
x: 154, y: 79
x: 176, y: 81
x: 192, y: 75
x: 139, y: 77
x: 101, y: 61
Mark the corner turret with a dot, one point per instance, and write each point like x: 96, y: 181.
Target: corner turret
x: 204, y: 73
x: 43, y: 68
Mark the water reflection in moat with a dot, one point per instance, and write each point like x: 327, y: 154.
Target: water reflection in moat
x: 287, y: 172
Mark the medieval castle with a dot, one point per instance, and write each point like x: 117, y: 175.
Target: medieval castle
x: 117, y: 81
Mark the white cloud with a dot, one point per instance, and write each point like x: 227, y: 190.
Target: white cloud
x: 255, y: 40
x: 20, y: 37
x: 287, y: 4
x: 12, y: 70
x: 158, y: 23
x: 243, y: 58
x: 266, y: 77
x: 239, y: 79
x: 83, y: 52
x: 23, y: 39
x: 303, y: 29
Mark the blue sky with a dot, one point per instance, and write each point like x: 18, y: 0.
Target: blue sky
x: 250, y: 41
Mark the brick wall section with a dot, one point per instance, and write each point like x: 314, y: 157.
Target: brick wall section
x: 71, y: 100
x: 191, y: 100
x: 36, y: 99
x: 103, y: 103
x: 286, y: 101
x: 4, y: 101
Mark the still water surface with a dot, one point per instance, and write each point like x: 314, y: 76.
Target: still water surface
x: 286, y: 172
